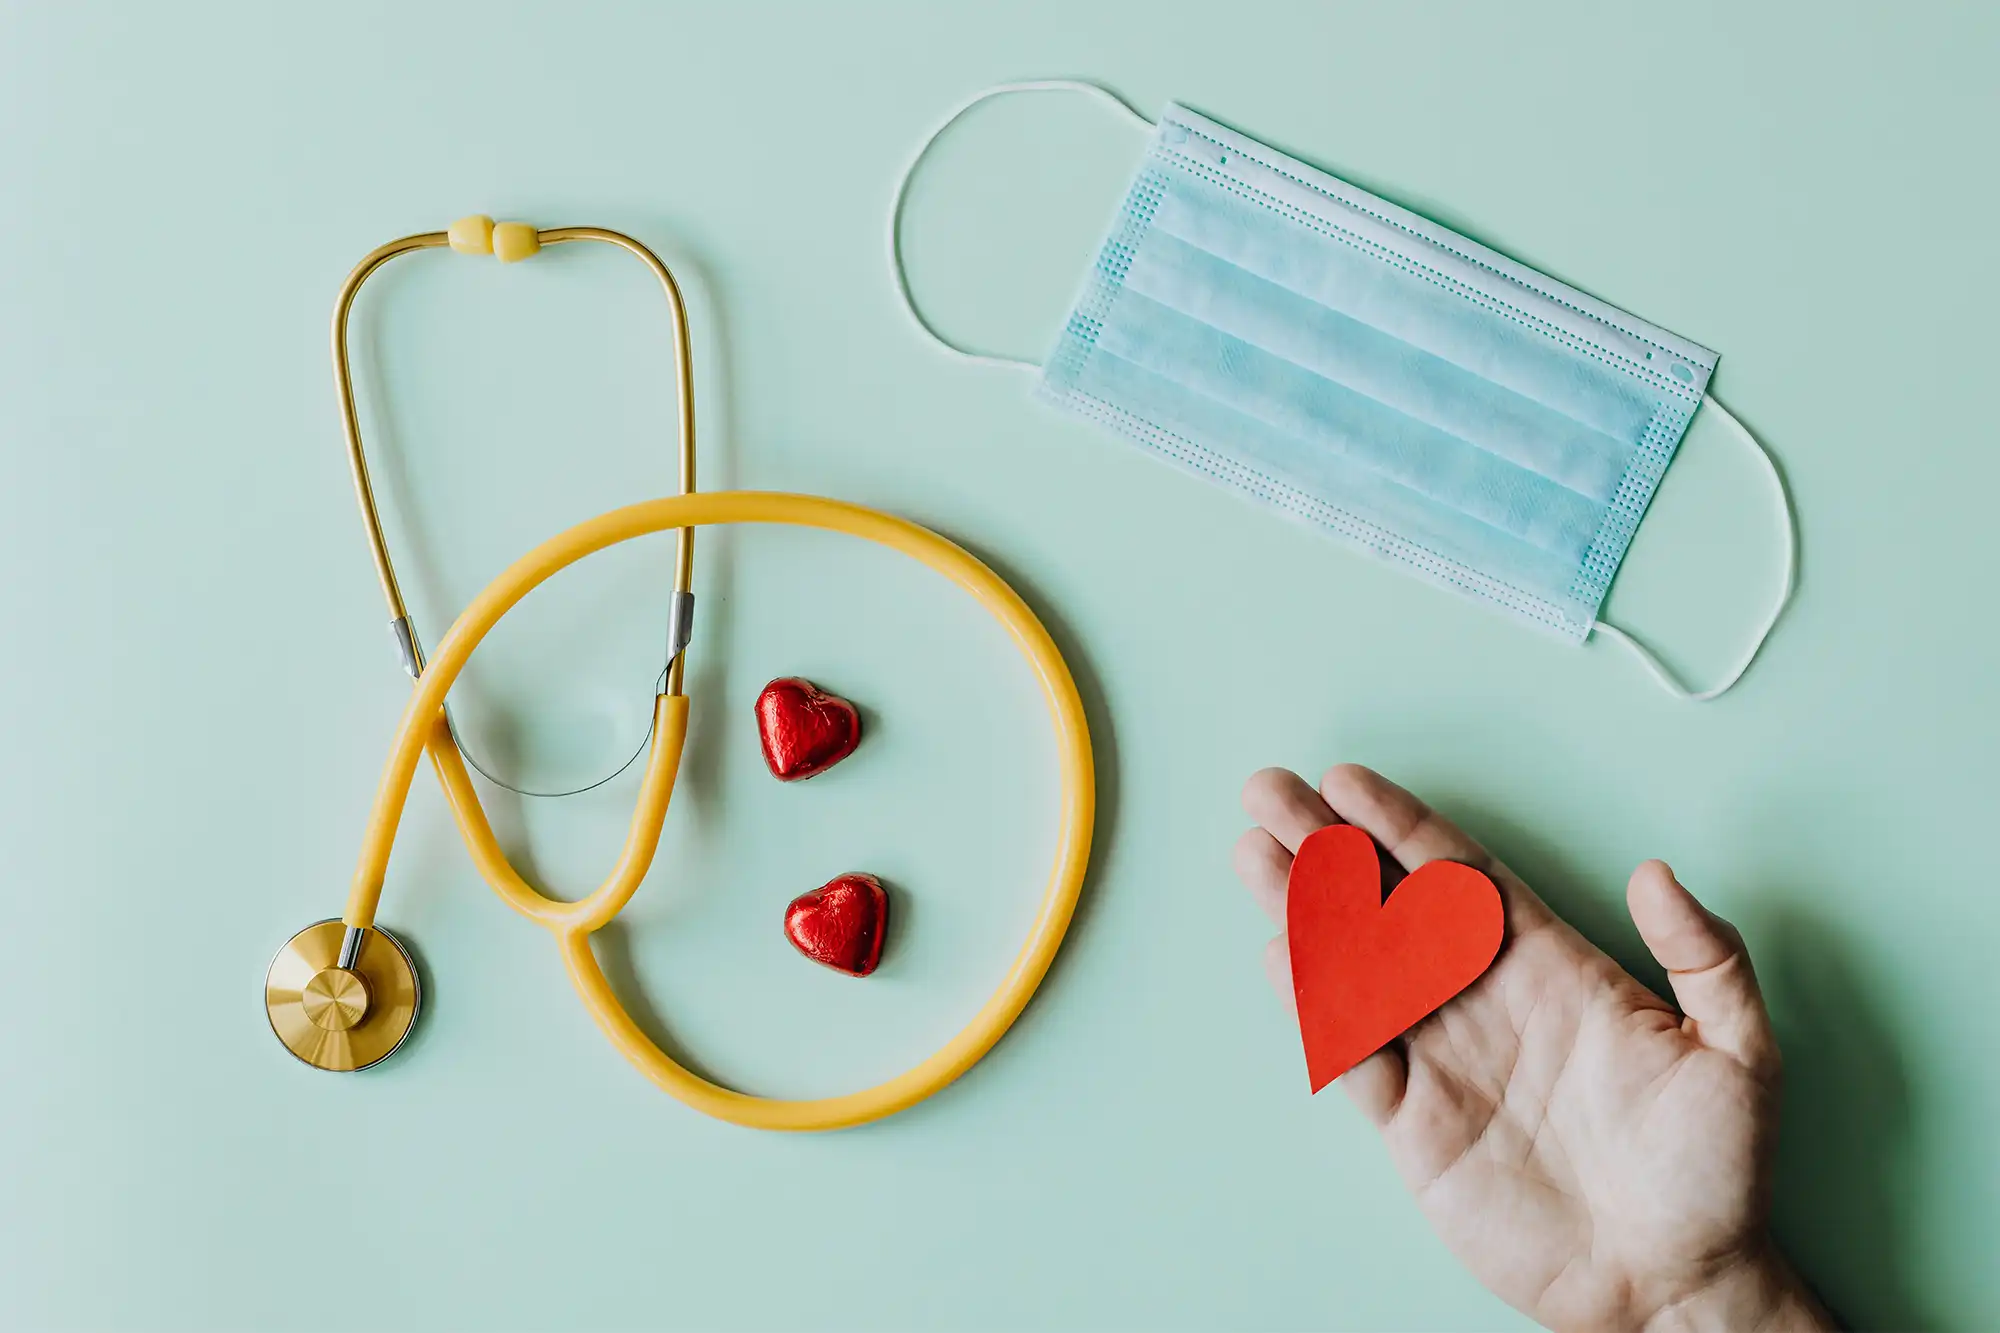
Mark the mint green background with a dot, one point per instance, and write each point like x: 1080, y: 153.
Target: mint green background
x: 199, y: 690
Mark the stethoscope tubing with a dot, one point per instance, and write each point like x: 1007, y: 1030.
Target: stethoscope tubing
x: 422, y: 727
x: 425, y: 725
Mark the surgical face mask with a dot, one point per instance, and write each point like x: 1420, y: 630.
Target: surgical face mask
x: 1335, y: 357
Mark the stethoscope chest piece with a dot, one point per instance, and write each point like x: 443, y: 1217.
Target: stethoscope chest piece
x: 341, y: 1017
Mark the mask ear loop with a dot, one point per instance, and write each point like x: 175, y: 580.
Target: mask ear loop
x: 924, y: 327
x: 1658, y: 669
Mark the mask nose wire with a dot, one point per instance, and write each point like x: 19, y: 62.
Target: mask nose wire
x: 1658, y: 669
x: 902, y: 276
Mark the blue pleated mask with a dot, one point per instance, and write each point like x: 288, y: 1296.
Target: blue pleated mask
x: 1335, y: 357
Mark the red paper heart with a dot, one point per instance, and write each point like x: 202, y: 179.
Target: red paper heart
x: 841, y: 924
x: 804, y: 729
x: 1366, y: 971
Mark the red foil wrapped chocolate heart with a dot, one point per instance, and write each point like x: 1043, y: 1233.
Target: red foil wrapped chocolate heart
x: 841, y: 924
x: 804, y: 729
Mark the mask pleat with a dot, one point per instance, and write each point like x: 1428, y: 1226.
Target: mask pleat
x: 1273, y: 456
x: 1323, y: 415
x: 1397, y: 374
x: 1405, y: 305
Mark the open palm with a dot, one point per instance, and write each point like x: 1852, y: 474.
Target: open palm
x: 1596, y: 1157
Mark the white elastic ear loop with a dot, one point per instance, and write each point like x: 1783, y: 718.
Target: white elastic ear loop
x: 1653, y: 664
x: 903, y: 189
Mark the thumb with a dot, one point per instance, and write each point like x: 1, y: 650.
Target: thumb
x: 1707, y: 965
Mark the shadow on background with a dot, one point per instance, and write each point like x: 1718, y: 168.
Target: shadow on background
x: 613, y: 946
x: 1847, y: 1203
x: 1598, y: 910
x: 420, y: 1031
x: 1846, y: 1198
x: 1103, y: 745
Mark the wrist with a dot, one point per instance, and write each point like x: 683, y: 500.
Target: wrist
x: 1758, y: 1293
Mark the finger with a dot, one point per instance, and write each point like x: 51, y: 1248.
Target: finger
x: 1278, y: 968
x: 1707, y: 964
x: 1376, y: 1084
x: 1289, y: 810
x: 1264, y: 866
x: 1414, y: 833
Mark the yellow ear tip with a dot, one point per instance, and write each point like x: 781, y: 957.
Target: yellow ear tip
x: 473, y: 235
x: 513, y: 241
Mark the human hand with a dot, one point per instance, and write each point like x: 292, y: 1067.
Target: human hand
x: 1595, y: 1157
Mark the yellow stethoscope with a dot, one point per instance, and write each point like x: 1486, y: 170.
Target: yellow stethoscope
x: 343, y: 994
